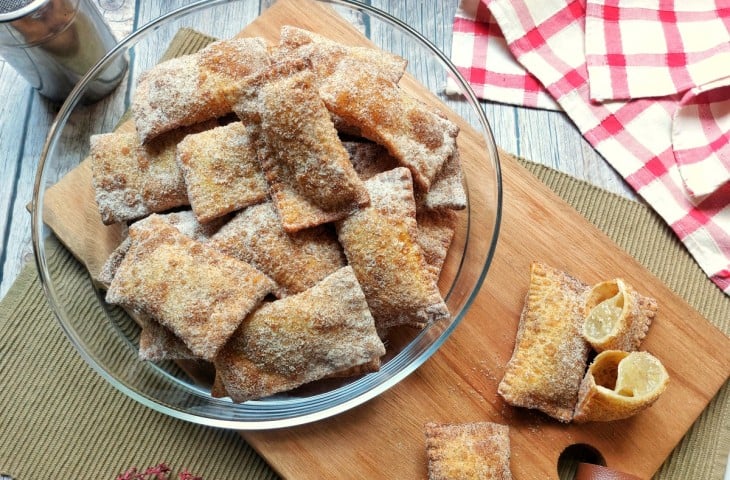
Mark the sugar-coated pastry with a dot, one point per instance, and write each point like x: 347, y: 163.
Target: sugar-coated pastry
x: 325, y: 54
x: 381, y: 245
x: 184, y: 220
x: 196, y: 87
x: 435, y: 232
x: 197, y: 292
x: 299, y: 339
x: 132, y: 180
x: 550, y: 355
x: 468, y: 451
x: 295, y: 261
x: 222, y: 171
x: 311, y: 179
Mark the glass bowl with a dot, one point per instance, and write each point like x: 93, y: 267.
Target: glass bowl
x: 107, y: 338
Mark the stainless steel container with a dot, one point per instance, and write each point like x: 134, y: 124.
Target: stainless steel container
x: 53, y: 43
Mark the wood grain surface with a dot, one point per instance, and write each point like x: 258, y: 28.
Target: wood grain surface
x: 384, y: 437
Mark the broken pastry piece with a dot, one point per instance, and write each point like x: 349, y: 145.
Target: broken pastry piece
x: 200, y: 294
x: 157, y: 343
x: 311, y: 179
x: 295, y: 261
x: 132, y: 180
x: 550, y: 355
x: 196, y: 87
x: 380, y: 243
x: 619, y: 385
x: 222, y: 172
x: 447, y: 189
x: 468, y: 451
x: 299, y: 339
x: 617, y: 317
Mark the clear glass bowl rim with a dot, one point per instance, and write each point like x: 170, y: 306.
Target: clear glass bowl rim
x: 226, y: 421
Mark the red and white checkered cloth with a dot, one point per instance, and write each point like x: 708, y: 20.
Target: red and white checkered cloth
x: 548, y: 38
x: 483, y: 58
x: 653, y: 48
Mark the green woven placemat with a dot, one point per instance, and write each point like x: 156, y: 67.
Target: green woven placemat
x: 59, y: 419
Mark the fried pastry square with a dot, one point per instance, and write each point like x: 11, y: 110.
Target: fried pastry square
x: 222, y: 172
x: 550, y: 355
x: 419, y: 137
x: 132, y: 180
x: 299, y: 339
x: 184, y: 220
x: 295, y: 261
x: 617, y: 317
x: 157, y: 343
x: 380, y: 243
x: 196, y: 87
x: 447, y: 189
x: 311, y: 179
x: 468, y: 451
x: 325, y: 54
x: 435, y: 232
x: 619, y: 385
x: 197, y: 292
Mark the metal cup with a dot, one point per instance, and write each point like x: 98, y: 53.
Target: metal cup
x: 53, y: 43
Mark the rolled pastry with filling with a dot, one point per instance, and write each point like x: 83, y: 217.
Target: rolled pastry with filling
x: 617, y: 317
x: 619, y: 385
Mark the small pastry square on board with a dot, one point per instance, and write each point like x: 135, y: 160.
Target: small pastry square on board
x: 468, y: 451
x: 197, y: 292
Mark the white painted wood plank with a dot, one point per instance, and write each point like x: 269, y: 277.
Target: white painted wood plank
x: 16, y: 94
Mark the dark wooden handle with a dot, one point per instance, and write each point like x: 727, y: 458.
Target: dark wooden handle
x: 588, y: 471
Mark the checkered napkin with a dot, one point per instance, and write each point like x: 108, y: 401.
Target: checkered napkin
x: 652, y: 48
x: 548, y: 38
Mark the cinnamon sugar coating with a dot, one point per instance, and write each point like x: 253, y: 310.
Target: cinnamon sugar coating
x: 468, y: 451
x: 222, y: 172
x: 550, y: 355
x: 197, y: 292
x: 132, y: 180
x: 380, y: 243
x: 310, y: 176
x: 299, y: 339
x: 295, y: 261
x: 196, y: 87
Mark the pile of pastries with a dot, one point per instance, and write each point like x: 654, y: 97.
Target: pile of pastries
x: 287, y: 205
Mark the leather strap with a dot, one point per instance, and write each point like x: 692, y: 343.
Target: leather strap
x: 588, y: 471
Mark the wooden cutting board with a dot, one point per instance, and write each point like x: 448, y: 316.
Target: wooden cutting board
x: 384, y: 437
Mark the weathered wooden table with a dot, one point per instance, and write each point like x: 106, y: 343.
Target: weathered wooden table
x: 25, y: 117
